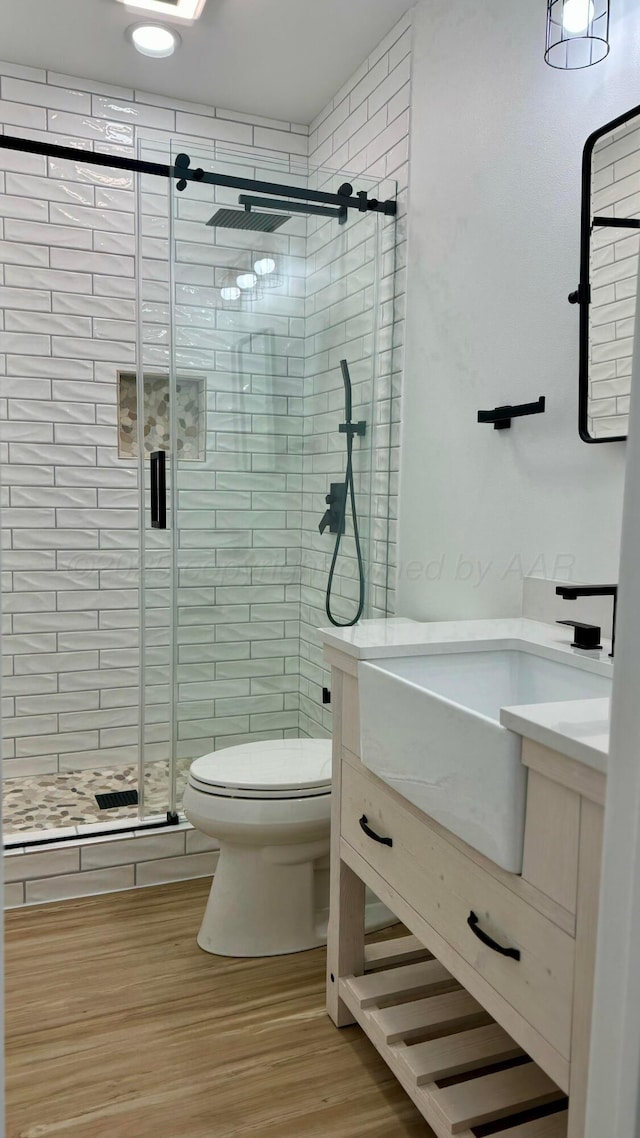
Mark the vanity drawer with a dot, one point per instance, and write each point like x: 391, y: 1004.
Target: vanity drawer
x: 446, y: 886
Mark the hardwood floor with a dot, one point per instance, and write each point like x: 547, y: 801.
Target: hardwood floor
x: 118, y: 1026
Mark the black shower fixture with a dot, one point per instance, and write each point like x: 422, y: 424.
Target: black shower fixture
x: 336, y: 516
x: 244, y: 219
x: 249, y: 202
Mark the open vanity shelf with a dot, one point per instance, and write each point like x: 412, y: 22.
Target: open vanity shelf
x: 445, y: 1049
x: 483, y: 1013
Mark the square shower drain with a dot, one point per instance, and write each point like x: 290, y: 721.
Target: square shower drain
x: 117, y: 798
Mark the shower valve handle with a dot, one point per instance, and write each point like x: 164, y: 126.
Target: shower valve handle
x: 334, y: 516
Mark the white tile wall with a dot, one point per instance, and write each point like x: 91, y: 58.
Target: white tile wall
x: 90, y: 864
x: 252, y: 566
x: 67, y: 289
x: 364, y: 129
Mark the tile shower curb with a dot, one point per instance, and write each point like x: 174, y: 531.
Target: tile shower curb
x: 88, y: 864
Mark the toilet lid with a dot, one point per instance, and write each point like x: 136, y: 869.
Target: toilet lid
x: 284, y: 768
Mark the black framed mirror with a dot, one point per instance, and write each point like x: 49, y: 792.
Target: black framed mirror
x: 607, y: 295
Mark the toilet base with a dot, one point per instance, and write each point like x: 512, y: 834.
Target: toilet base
x: 264, y: 902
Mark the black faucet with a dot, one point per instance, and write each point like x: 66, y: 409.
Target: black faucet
x: 571, y: 592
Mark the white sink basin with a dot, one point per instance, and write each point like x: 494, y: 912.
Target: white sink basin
x: 430, y: 728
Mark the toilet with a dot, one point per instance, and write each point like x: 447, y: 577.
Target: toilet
x: 269, y: 806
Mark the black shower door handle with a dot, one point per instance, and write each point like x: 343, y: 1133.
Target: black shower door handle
x: 158, y: 489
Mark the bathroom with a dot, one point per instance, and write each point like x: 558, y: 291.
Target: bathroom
x: 271, y: 276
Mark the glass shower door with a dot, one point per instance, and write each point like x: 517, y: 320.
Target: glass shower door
x: 246, y: 329
x: 154, y: 425
x: 238, y: 325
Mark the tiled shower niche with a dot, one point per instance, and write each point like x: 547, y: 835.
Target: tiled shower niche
x: 190, y: 417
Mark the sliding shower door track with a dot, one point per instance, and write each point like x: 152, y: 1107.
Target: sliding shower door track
x: 137, y: 827
x: 182, y: 174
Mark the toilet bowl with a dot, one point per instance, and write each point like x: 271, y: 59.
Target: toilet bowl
x: 269, y: 806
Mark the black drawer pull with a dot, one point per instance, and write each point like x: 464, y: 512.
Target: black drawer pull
x: 474, y: 924
x: 372, y: 834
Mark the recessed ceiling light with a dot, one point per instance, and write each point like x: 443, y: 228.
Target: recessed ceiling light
x: 153, y: 40
x: 171, y: 9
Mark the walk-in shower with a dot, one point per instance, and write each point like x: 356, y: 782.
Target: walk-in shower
x: 173, y: 336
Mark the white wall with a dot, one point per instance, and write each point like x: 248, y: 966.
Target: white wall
x: 497, y: 139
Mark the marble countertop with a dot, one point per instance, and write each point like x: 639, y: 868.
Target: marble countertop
x: 577, y: 728
x: 399, y: 636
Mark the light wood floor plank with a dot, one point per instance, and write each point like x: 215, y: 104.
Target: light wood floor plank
x: 118, y: 1026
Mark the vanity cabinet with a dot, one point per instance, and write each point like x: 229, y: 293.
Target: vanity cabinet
x: 484, y: 1011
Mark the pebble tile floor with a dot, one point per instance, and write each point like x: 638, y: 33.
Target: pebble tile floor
x: 51, y: 801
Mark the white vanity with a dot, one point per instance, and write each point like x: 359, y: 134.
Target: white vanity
x: 481, y: 829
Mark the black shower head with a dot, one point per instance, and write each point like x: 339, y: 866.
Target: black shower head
x: 247, y: 219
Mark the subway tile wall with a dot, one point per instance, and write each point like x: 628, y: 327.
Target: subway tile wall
x: 71, y: 269
x: 89, y: 864
x: 364, y: 129
x: 252, y: 566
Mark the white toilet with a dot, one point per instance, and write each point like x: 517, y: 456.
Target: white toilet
x: 269, y: 806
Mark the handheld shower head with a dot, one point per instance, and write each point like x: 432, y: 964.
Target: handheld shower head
x: 346, y: 377
x: 338, y: 500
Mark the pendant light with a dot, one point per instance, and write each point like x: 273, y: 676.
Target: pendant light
x: 577, y: 33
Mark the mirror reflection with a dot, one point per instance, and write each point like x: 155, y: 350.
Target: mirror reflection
x: 613, y: 271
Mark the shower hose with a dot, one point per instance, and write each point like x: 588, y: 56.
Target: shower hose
x: 349, y: 429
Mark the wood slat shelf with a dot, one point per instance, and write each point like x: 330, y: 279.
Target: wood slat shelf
x: 427, y: 1036
x: 388, y: 953
x: 435, y: 1013
x: 457, y: 1054
x: 426, y: 978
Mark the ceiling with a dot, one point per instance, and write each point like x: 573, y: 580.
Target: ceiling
x: 283, y: 59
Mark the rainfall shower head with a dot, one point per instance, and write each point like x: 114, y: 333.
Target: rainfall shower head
x: 247, y: 219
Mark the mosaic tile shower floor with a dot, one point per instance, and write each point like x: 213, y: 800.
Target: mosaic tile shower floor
x: 52, y: 801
